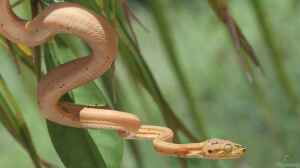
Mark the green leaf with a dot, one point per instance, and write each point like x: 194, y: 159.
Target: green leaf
x: 13, y: 120
x: 109, y: 143
x: 89, y: 94
x: 68, y: 141
x: 75, y: 147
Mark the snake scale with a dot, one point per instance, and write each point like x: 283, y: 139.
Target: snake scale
x: 101, y: 37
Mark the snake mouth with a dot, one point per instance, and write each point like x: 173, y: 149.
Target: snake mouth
x: 236, y: 154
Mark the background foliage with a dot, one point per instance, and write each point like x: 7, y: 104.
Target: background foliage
x: 186, y: 65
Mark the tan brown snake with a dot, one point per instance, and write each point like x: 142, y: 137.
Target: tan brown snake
x: 101, y: 37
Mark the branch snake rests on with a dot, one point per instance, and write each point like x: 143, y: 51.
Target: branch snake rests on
x: 102, y: 39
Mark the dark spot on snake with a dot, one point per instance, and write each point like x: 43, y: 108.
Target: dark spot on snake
x: 61, y: 86
x: 209, y: 151
x: 214, y: 143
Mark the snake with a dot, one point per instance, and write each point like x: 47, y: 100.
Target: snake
x: 102, y: 38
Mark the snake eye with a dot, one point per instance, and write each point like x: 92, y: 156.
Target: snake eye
x: 210, y: 151
x: 228, y: 148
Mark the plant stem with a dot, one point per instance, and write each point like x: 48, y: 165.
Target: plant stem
x: 276, y: 54
x: 160, y: 18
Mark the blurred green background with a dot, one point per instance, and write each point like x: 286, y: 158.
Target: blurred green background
x: 261, y: 112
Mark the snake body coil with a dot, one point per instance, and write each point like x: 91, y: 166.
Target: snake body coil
x: 102, y: 39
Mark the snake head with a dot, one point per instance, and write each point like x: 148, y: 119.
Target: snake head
x: 218, y: 149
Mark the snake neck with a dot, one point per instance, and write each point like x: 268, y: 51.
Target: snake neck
x: 100, y: 37
x: 162, y: 141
